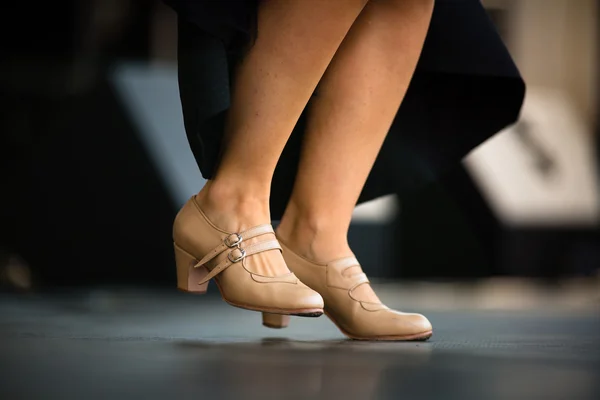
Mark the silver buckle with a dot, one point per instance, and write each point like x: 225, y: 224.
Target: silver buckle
x: 240, y: 258
x: 237, y: 242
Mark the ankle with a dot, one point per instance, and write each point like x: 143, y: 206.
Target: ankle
x: 318, y: 238
x: 233, y: 208
x: 231, y: 193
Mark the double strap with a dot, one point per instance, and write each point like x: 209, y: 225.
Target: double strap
x: 234, y: 243
x: 234, y: 240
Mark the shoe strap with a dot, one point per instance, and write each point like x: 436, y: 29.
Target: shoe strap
x: 343, y: 263
x: 237, y: 254
x: 233, y: 240
x: 336, y: 277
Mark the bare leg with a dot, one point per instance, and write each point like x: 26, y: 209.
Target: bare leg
x: 356, y: 102
x: 295, y: 43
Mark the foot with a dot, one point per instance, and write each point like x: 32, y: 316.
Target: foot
x: 326, y: 264
x: 320, y: 242
x: 236, y: 211
x: 246, y: 264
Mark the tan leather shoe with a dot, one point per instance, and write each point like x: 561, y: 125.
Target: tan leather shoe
x: 351, y: 303
x: 247, y: 266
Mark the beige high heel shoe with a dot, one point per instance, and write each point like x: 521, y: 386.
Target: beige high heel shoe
x: 358, y: 313
x: 203, y: 252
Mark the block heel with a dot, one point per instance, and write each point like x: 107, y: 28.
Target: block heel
x: 275, y: 321
x: 188, y: 277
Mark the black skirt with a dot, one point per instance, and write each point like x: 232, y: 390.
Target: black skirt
x: 465, y: 89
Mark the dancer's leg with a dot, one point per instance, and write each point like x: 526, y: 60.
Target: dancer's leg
x: 349, y: 118
x: 296, y: 41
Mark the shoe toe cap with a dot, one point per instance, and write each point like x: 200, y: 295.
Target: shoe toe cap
x: 419, y: 322
x: 310, y: 299
x: 407, y: 324
x: 299, y: 299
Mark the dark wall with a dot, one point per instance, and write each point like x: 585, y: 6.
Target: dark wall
x: 80, y: 199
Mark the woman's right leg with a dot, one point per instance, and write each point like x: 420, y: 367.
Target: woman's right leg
x: 296, y: 41
x: 224, y: 232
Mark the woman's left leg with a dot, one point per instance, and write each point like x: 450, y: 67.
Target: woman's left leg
x: 356, y: 102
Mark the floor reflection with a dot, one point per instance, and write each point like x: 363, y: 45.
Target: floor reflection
x: 281, y: 368
x: 327, y: 369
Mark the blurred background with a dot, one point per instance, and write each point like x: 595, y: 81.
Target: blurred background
x: 94, y: 161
